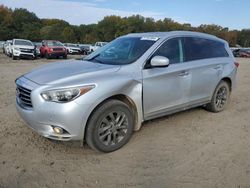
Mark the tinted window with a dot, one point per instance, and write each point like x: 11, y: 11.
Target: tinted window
x: 171, y: 49
x: 198, y: 48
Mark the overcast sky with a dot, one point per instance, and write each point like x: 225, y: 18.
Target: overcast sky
x: 234, y: 14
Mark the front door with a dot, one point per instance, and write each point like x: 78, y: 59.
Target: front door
x: 166, y: 88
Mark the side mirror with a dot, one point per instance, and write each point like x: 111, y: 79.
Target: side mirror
x: 159, y: 61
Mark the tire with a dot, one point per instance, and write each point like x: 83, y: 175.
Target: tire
x: 14, y: 57
x: 220, y: 98
x: 110, y: 126
x: 65, y: 57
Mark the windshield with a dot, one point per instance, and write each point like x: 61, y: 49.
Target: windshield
x: 122, y: 51
x: 54, y: 43
x: 23, y: 42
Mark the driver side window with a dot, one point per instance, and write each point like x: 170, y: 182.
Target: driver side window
x: 171, y: 49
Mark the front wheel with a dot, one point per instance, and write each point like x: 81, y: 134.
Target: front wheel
x: 220, y: 98
x: 110, y: 126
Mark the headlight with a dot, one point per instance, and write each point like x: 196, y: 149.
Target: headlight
x: 17, y: 49
x: 65, y: 95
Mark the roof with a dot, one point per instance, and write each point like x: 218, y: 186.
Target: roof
x: 174, y: 33
x: 22, y: 39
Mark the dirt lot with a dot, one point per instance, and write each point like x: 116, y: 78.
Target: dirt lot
x: 189, y: 149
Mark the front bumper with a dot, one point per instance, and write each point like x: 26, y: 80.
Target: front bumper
x: 43, y: 116
x: 17, y: 53
x: 57, y: 54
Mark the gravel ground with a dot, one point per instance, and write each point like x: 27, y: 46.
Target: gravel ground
x: 192, y: 149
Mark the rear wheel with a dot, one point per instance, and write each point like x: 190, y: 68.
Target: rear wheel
x: 110, y: 127
x: 220, y: 98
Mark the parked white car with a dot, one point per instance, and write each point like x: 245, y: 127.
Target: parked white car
x: 22, y: 48
x: 7, y: 48
x: 97, y: 45
x: 72, y: 48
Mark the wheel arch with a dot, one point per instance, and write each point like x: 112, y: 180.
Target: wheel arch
x: 123, y: 98
x: 228, y: 81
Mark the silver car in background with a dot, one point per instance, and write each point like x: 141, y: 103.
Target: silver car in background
x: 107, y: 95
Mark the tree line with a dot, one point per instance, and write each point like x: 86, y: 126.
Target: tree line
x: 20, y: 23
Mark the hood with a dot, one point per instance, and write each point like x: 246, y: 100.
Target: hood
x: 63, y: 71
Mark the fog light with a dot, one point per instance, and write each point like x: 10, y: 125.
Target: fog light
x: 58, y: 130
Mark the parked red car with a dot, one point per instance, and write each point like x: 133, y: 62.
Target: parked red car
x: 53, y: 49
x: 244, y: 53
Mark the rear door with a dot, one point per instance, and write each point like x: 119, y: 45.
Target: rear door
x: 205, y: 60
x: 166, y: 88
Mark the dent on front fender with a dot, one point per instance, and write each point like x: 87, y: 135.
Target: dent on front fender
x: 133, y: 90
x: 130, y: 88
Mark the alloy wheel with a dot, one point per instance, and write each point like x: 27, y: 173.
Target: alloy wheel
x: 113, y: 128
x: 221, y: 97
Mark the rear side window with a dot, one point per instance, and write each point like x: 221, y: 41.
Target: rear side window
x: 199, y: 48
x: 172, y: 49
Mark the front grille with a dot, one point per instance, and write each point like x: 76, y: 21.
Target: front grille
x: 26, y: 50
x: 57, y: 49
x: 23, y: 96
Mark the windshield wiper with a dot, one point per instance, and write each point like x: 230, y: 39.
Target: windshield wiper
x: 97, y: 55
x: 94, y: 59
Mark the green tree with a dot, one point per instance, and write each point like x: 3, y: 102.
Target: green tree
x: 20, y: 23
x: 68, y: 34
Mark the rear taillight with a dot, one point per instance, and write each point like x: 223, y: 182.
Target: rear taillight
x: 236, y: 64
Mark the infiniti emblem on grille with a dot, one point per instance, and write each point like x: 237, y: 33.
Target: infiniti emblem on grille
x: 17, y: 92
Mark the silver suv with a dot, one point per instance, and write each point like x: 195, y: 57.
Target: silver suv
x: 107, y: 95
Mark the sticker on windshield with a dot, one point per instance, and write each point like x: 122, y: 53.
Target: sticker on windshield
x: 150, y: 38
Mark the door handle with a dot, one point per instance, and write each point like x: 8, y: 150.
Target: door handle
x: 217, y: 67
x: 183, y: 73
